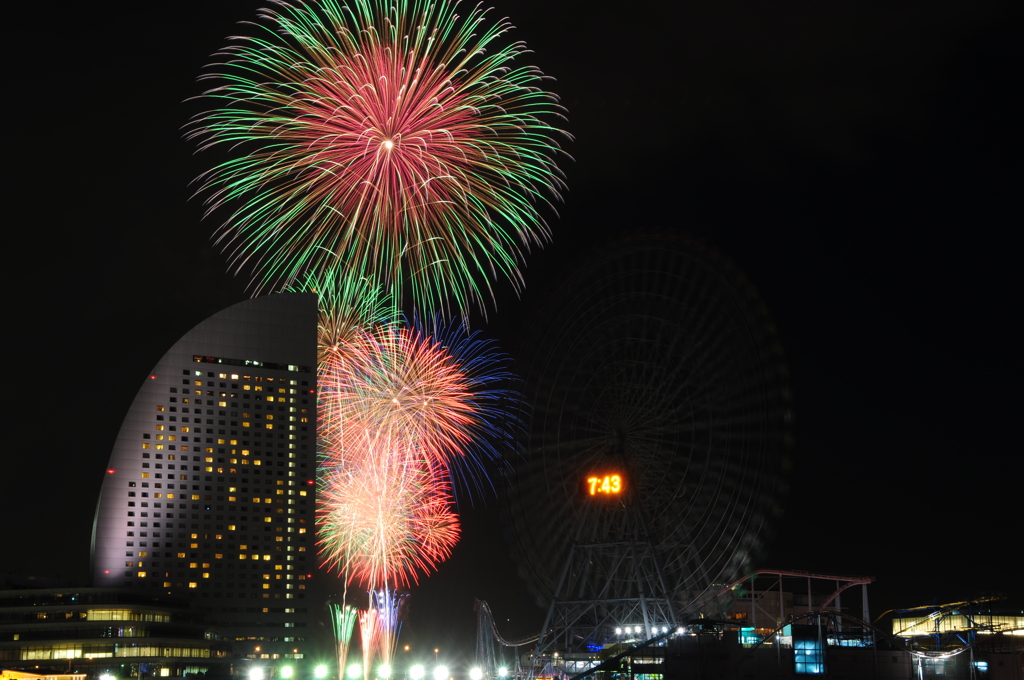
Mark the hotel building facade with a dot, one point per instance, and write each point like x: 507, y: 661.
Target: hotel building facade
x: 210, y: 489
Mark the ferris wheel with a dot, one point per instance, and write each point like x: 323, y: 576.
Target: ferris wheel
x: 660, y: 421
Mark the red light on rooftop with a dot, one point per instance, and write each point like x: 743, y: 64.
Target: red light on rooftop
x: 106, y: 571
x: 111, y: 471
x: 152, y: 377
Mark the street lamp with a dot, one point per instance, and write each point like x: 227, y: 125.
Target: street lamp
x: 440, y: 673
x: 286, y: 672
x: 476, y: 674
x: 256, y: 674
x: 416, y: 672
x: 320, y: 671
x: 502, y: 672
x: 384, y: 672
x: 354, y: 671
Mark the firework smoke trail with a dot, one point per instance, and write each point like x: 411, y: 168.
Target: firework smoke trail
x: 369, y: 634
x: 395, y: 139
x: 386, y: 602
x: 343, y: 621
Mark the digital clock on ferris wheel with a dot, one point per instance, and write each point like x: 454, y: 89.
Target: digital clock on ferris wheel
x: 604, y: 485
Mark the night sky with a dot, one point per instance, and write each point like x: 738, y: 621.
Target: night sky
x: 856, y: 161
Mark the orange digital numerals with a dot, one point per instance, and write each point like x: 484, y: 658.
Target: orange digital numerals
x: 608, y: 484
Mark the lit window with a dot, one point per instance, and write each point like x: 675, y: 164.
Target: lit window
x: 193, y: 584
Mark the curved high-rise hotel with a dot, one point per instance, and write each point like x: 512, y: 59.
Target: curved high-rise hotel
x: 210, y: 489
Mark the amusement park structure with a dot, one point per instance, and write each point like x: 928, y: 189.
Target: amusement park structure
x: 657, y: 443
x: 787, y: 624
x: 656, y: 458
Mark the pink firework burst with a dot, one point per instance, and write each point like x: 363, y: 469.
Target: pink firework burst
x: 396, y: 140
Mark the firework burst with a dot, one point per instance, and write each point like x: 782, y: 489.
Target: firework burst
x: 429, y: 388
x: 385, y: 519
x: 396, y: 139
x: 404, y: 411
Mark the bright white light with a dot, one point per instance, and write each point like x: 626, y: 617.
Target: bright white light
x: 618, y: 631
x: 664, y: 629
x: 388, y: 144
x: 384, y: 671
x: 256, y: 674
x: 286, y: 672
x: 502, y: 672
x: 476, y: 674
x: 440, y: 673
x: 354, y: 671
x: 321, y: 671
x: 416, y: 672
x: 106, y: 676
x: 679, y: 631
